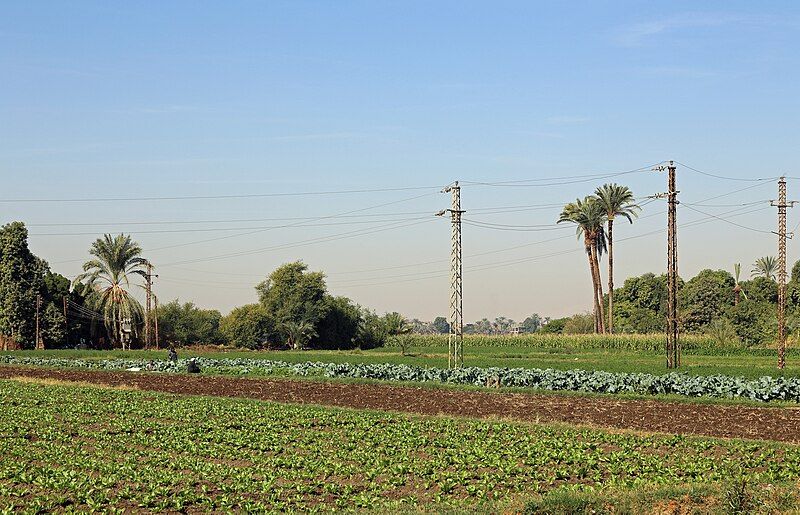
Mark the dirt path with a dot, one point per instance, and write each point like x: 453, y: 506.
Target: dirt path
x: 780, y: 424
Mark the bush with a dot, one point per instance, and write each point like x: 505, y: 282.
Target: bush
x: 582, y: 323
x: 249, y: 326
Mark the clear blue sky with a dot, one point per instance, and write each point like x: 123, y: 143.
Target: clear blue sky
x: 197, y: 98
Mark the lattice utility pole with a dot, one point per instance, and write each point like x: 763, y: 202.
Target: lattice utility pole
x: 781, y: 204
x: 673, y: 345
x: 148, y: 313
x: 456, y: 337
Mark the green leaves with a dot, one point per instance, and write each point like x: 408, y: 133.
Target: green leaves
x: 127, y: 450
x: 763, y: 389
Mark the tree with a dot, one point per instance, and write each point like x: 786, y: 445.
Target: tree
x: 250, y: 326
x: 617, y: 201
x: 186, y: 324
x: 21, y: 280
x: 396, y: 324
x: 705, y: 297
x: 441, y: 325
x: 53, y: 326
x: 293, y: 294
x: 532, y: 323
x: 766, y: 266
x: 589, y: 216
x: 117, y: 260
x: 339, y: 326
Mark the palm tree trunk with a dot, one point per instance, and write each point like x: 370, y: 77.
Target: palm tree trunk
x: 596, y: 306
x: 611, y: 275
x: 601, y: 310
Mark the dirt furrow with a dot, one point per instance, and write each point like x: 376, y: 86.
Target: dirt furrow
x: 727, y: 421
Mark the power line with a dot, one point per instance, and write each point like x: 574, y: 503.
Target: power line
x: 725, y: 177
x: 214, y: 197
x: 221, y: 229
x: 728, y: 221
x: 559, y: 181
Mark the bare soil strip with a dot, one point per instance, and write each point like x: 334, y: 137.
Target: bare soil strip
x: 768, y: 423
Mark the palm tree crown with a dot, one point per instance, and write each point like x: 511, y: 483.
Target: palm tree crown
x: 766, y: 266
x: 618, y: 200
x: 117, y: 258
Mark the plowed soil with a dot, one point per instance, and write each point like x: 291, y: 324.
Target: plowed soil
x: 726, y: 421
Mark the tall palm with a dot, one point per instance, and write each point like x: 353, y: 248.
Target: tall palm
x: 737, y: 287
x: 589, y: 216
x: 108, y: 276
x: 766, y: 266
x: 617, y: 201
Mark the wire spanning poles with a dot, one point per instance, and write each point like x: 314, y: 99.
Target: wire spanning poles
x: 456, y: 337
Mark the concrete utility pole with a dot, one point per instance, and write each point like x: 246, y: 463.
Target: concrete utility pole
x: 781, y: 204
x: 155, y: 319
x: 673, y: 346
x: 456, y: 338
x: 148, y: 314
x: 39, y: 341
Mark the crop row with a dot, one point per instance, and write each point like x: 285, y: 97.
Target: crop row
x: 631, y: 342
x: 79, y: 448
x: 762, y: 389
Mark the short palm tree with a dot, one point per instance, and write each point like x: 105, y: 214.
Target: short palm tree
x: 737, y: 288
x: 589, y: 216
x: 617, y: 201
x: 766, y: 266
x: 108, y: 276
x: 298, y: 334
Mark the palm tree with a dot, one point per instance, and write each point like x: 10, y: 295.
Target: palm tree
x: 397, y: 325
x: 617, y: 201
x: 298, y: 334
x: 589, y: 216
x: 766, y: 266
x: 737, y: 288
x: 108, y: 277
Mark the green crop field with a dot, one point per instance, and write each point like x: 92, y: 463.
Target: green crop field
x: 81, y: 448
x: 557, y: 352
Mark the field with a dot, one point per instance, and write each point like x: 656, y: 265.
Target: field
x: 79, y: 448
x: 238, y: 438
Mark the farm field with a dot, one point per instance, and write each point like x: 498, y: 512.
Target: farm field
x: 753, y: 364
x: 69, y: 447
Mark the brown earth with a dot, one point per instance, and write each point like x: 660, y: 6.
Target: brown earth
x: 727, y: 421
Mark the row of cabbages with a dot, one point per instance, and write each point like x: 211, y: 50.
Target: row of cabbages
x: 763, y: 389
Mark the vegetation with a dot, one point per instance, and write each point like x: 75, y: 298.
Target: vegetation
x: 186, y: 324
x: 589, y: 217
x: 205, y: 454
x: 617, y: 201
x: 108, y: 278
x: 763, y: 389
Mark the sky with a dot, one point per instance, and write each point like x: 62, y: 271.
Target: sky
x: 104, y: 104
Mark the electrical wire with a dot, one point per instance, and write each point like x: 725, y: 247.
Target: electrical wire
x: 215, y: 197
x: 724, y: 177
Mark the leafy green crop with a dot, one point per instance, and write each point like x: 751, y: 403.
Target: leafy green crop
x: 78, y: 448
x: 763, y: 389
